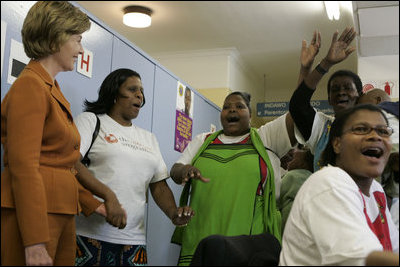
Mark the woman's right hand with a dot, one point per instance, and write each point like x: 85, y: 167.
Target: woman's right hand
x: 308, y: 54
x: 37, y: 255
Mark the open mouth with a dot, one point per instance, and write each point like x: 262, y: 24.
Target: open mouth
x: 137, y: 105
x: 342, y: 102
x: 374, y: 152
x: 232, y: 119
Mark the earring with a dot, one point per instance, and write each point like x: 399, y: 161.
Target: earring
x: 115, y: 100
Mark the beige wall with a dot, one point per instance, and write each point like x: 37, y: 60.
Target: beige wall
x: 216, y: 95
x: 216, y: 72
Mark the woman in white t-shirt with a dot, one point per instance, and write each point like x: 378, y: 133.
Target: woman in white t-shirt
x: 128, y: 160
x: 339, y: 215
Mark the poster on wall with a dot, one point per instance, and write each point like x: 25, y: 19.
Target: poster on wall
x: 391, y: 87
x: 18, y: 61
x: 184, y: 117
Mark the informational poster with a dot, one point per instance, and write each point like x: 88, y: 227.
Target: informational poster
x: 184, y: 117
x: 18, y: 61
x: 184, y: 100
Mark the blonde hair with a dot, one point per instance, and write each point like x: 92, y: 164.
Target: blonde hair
x: 49, y: 24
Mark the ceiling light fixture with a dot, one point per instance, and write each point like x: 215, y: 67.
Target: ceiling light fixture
x: 137, y: 16
x: 332, y: 9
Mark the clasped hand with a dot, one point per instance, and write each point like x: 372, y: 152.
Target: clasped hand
x: 113, y: 212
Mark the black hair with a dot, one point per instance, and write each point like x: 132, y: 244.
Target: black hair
x: 347, y: 73
x: 329, y: 155
x: 109, y: 90
x: 246, y: 97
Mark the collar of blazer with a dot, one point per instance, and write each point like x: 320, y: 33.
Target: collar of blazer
x: 55, y: 91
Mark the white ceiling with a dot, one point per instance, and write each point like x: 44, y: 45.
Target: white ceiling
x: 265, y: 33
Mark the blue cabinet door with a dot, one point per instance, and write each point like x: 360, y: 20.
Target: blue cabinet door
x: 159, y: 228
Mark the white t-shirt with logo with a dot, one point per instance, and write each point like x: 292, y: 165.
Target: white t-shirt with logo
x: 327, y: 224
x: 126, y: 159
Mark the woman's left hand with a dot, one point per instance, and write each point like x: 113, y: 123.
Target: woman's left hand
x: 182, y: 216
x: 116, y: 215
x: 340, y: 48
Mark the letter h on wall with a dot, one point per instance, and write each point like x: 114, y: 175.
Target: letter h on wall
x: 85, y: 63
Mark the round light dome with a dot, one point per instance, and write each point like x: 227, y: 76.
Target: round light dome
x: 137, y: 16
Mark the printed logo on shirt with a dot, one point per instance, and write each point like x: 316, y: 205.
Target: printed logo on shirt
x: 135, y: 145
x: 111, y: 138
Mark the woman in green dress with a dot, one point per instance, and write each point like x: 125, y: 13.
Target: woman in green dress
x: 242, y: 167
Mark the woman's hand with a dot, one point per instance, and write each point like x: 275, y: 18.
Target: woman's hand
x: 116, y: 215
x: 191, y: 172
x: 308, y: 53
x: 101, y: 210
x: 37, y: 255
x: 181, y: 173
x: 182, y: 216
x: 340, y: 48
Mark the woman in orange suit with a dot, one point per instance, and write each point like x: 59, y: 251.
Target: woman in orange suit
x: 39, y: 191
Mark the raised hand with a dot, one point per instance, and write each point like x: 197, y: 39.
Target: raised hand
x: 340, y: 48
x: 182, y: 216
x: 308, y: 53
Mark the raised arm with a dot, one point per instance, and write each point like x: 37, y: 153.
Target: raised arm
x: 339, y: 50
x: 299, y: 107
x: 308, y: 54
x: 302, y: 112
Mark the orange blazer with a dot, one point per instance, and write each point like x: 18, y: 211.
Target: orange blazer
x: 41, y: 145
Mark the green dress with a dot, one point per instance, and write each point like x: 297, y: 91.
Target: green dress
x: 229, y: 204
